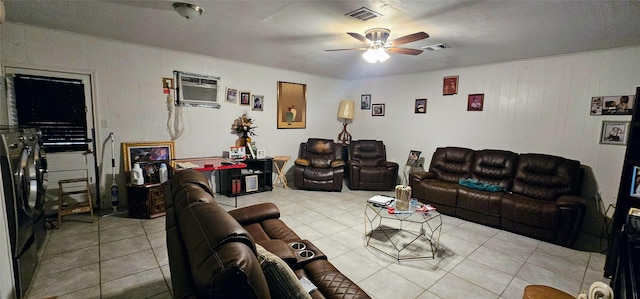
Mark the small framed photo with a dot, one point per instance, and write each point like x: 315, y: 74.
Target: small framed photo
x: 614, y: 132
x: 167, y: 83
x: 450, y: 85
x: 414, y: 157
x: 251, y: 183
x: 261, y: 154
x: 257, y: 102
x: 612, y: 105
x: 377, y: 109
x: 365, y: 102
x: 237, y: 153
x: 475, y: 102
x: 245, y: 98
x: 421, y: 106
x: 635, y: 182
x: 231, y: 95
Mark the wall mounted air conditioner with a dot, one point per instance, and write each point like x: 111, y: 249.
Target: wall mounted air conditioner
x: 195, y: 90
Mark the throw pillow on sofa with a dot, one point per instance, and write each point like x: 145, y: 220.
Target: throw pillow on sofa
x: 283, y: 283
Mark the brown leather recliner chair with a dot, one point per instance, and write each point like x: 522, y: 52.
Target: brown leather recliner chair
x: 319, y: 165
x: 368, y: 167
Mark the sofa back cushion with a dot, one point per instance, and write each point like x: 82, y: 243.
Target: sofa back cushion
x: 320, y: 152
x: 450, y: 164
x: 495, y: 167
x: 370, y: 153
x: 221, y: 253
x: 546, y: 177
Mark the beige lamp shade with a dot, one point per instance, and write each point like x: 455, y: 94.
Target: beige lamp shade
x: 346, y: 109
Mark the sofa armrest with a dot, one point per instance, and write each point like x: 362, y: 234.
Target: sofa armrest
x: 337, y: 163
x: 571, y: 210
x: 302, y: 162
x: 421, y: 175
x: 255, y: 213
x: 281, y: 249
x: 571, y: 201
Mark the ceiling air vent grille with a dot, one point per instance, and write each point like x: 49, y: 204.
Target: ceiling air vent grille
x: 363, y: 14
x: 436, y: 47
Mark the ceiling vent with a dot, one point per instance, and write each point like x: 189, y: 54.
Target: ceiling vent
x: 363, y: 14
x: 436, y: 47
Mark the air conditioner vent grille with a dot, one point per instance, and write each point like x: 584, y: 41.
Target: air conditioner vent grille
x: 363, y: 14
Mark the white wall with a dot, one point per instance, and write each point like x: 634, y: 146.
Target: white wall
x: 129, y: 98
x: 537, y: 105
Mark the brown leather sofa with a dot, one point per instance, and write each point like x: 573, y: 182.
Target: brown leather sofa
x: 538, y: 194
x: 212, y: 252
x: 319, y: 165
x: 368, y: 167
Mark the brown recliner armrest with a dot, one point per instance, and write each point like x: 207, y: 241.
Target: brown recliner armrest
x: 419, y: 176
x: 281, y: 249
x: 302, y: 162
x: 255, y: 213
x: 337, y: 163
x: 571, y: 201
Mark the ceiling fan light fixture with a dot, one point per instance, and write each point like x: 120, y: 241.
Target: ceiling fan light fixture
x: 375, y: 55
x: 187, y: 10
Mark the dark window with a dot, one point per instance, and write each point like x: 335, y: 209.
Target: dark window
x: 57, y: 107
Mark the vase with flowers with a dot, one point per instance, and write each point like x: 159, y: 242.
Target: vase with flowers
x: 243, y: 125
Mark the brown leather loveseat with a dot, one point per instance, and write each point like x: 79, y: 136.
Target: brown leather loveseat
x: 535, y: 195
x: 218, y: 254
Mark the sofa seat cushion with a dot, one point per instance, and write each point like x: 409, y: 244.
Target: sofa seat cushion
x: 375, y: 174
x: 529, y: 211
x: 317, y: 174
x: 484, y: 202
x: 442, y: 195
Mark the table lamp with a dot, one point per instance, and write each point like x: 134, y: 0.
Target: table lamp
x: 345, y: 112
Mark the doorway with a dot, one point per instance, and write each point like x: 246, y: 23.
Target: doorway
x: 61, y: 105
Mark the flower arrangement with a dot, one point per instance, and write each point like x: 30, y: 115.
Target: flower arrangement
x: 243, y: 125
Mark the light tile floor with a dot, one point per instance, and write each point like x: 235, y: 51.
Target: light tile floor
x: 119, y: 257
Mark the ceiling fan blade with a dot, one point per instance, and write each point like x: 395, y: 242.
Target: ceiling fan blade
x: 359, y: 37
x: 409, y: 38
x: 361, y: 49
x: 404, y: 51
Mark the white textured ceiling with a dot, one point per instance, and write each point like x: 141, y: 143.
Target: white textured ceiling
x: 294, y: 34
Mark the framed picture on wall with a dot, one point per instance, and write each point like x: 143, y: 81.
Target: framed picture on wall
x: 421, y: 106
x: 231, y: 95
x: 257, y: 102
x: 635, y: 182
x: 245, y: 98
x: 150, y: 155
x: 612, y: 105
x: 450, y: 85
x: 475, y: 102
x: 377, y: 109
x: 614, y: 132
x: 365, y: 102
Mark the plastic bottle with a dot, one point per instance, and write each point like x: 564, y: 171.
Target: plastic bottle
x: 137, y: 178
x: 164, y: 173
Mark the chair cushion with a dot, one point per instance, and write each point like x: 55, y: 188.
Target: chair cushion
x: 319, y: 146
x: 302, y: 162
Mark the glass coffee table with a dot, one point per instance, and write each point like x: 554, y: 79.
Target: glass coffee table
x: 404, y: 235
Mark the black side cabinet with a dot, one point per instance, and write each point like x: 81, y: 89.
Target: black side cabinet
x: 257, y: 177
x: 624, y: 244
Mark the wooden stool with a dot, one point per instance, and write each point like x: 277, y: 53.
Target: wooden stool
x: 544, y: 292
x: 280, y: 169
x: 75, y: 207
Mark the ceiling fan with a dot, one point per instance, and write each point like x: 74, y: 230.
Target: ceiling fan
x: 378, y: 46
